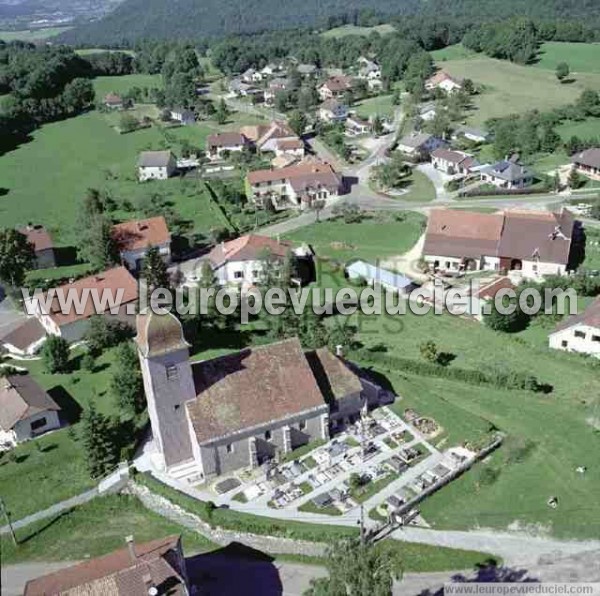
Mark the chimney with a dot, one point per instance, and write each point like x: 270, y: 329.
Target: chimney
x: 339, y: 351
x: 131, y: 548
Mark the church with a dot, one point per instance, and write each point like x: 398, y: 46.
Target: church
x: 243, y: 409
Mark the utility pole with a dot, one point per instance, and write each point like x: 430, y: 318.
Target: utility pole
x: 362, y: 524
x: 7, y: 517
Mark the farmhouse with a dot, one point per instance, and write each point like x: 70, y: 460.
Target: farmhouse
x: 442, y: 80
x: 43, y: 246
x: 294, y: 186
x: 156, y: 165
x: 532, y: 243
x: 113, y: 101
x: 476, y: 135
x: 335, y: 87
x: 183, y: 115
x: 26, y: 410
x: 240, y: 410
x: 588, y: 163
x: 134, y: 238
x: 508, y: 174
x: 419, y: 145
x: 228, y: 142
x: 579, y: 333
x: 267, y: 136
x: 241, y: 261
x: 72, y: 323
x: 156, y: 567
x: 453, y: 162
x: 331, y: 110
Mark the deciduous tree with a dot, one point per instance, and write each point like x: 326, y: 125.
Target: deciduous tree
x: 16, y: 256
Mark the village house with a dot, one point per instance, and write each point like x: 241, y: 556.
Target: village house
x: 156, y: 165
x: 225, y: 142
x: 240, y: 262
x: 135, y: 238
x: 579, y: 333
x: 331, y: 110
x: 290, y: 148
x: 26, y: 410
x: 72, y: 324
x: 113, y: 101
x: 295, y: 186
x: 183, y: 115
x: 277, y: 85
x: 427, y: 111
x: 588, y: 163
x: 266, y: 137
x: 151, y: 568
x: 419, y: 145
x: 487, y: 294
x: 453, y: 162
x: 43, y: 246
x: 25, y: 339
x: 370, y: 71
x: 239, y: 88
x: 335, y: 87
x: 508, y: 174
x: 307, y: 70
x: 241, y: 410
x: 251, y: 76
x: 475, y: 135
x: 271, y: 70
x: 442, y: 80
x: 357, y: 125
x: 528, y: 243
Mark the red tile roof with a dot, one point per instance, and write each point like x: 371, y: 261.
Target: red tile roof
x: 113, y: 281
x: 116, y: 574
x: 338, y: 83
x: 38, y: 236
x: 440, y: 77
x: 246, y: 248
x: 305, y: 172
x: 142, y: 233
x: 113, y: 99
x: 225, y: 139
x: 250, y: 388
x: 489, y: 291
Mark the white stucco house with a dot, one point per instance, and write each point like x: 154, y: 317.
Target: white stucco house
x: 118, y: 287
x: 442, y: 80
x: 225, y: 142
x: 134, y: 238
x: 26, y: 410
x: 579, y: 333
x: 156, y: 165
x: 295, y: 186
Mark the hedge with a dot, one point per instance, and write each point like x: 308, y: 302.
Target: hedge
x: 496, y: 378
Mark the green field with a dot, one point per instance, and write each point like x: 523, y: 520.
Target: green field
x: 581, y: 57
x: 375, y: 238
x: 94, y: 529
x: 557, y: 424
x: 346, y: 30
x: 71, y: 156
x: 88, y: 51
x: 380, y: 105
x: 510, y: 89
x: 455, y: 52
x: 586, y: 129
x: 104, y: 85
x: 32, y: 34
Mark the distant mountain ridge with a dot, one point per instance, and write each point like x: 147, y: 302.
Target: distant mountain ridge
x: 197, y: 19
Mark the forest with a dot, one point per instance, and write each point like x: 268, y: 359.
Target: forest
x: 194, y: 20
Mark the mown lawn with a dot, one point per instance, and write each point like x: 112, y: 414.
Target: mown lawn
x: 94, y: 529
x: 47, y: 177
x: 420, y: 188
x: 38, y: 478
x: 558, y: 424
x: 581, y: 57
x: 380, y: 105
x: 374, y: 238
x: 512, y: 89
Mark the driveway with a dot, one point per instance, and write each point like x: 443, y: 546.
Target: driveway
x: 437, y: 179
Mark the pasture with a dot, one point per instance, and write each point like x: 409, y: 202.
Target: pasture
x: 586, y: 129
x: 548, y: 435
x: 32, y: 34
x: 581, y: 57
x: 510, y: 88
x: 104, y: 85
x: 346, y: 30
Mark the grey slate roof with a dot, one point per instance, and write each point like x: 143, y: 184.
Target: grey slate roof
x: 415, y: 140
x: 154, y: 159
x: 508, y: 170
